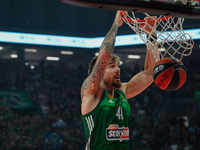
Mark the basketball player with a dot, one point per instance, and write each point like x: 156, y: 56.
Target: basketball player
x: 105, y: 110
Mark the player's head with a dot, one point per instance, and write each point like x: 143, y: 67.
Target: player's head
x: 113, y: 57
x: 111, y: 77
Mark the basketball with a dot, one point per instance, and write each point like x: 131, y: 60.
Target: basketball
x: 169, y: 74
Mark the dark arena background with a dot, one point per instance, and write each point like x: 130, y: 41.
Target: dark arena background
x: 41, y: 77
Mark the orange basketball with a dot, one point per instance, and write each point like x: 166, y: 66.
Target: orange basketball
x: 169, y: 74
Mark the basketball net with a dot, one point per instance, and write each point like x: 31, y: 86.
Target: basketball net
x: 170, y: 39
x: 188, y: 2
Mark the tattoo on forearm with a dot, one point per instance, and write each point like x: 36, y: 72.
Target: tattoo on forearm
x: 109, y: 41
x: 99, y: 69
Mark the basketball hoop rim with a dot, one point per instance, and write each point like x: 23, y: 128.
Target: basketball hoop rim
x: 143, y: 21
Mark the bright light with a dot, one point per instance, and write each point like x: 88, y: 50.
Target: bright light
x: 134, y: 56
x: 30, y: 50
x: 26, y: 63
x: 32, y: 67
x: 67, y: 52
x: 121, y: 62
x: 161, y: 49
x: 52, y: 58
x: 79, y: 42
x: 1, y: 47
x: 13, y: 55
x: 96, y: 54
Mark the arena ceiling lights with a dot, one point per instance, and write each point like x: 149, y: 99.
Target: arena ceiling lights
x: 78, y: 42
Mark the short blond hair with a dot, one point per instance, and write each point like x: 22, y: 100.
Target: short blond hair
x: 113, y: 57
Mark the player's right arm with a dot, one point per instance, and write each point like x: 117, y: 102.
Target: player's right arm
x: 90, y: 90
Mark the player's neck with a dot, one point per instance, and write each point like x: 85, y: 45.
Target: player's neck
x: 110, y: 90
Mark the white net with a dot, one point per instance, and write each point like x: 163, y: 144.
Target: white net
x: 188, y: 2
x: 170, y: 39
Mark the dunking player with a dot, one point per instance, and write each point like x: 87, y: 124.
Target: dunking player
x: 105, y: 110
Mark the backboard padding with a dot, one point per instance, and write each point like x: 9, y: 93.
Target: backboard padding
x: 156, y: 7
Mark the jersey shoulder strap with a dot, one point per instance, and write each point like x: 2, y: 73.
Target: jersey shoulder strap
x: 120, y: 92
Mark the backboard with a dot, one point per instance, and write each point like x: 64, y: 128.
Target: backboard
x: 156, y: 7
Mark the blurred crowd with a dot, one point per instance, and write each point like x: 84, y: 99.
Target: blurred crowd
x: 55, y: 122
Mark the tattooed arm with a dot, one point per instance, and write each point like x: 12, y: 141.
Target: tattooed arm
x: 90, y: 90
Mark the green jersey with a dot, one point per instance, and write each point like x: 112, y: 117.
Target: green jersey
x: 107, y: 126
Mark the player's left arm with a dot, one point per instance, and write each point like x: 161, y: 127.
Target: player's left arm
x: 142, y: 80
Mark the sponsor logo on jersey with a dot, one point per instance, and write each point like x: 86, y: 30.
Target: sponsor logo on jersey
x: 113, y: 132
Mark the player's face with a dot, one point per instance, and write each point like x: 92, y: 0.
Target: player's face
x: 112, y: 75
